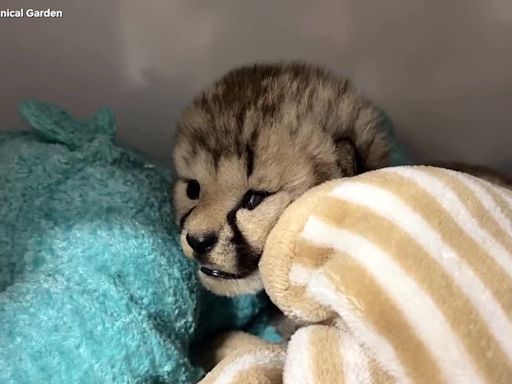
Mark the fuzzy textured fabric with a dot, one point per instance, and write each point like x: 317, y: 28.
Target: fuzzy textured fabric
x: 93, y: 285
x: 404, y: 275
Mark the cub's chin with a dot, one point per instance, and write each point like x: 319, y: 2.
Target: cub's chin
x: 249, y: 284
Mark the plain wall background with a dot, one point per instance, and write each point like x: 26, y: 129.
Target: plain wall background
x: 442, y: 69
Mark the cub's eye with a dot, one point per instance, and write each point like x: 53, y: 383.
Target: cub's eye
x: 253, y: 198
x: 193, y: 189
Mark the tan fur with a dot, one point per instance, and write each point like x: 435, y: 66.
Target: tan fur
x: 280, y: 128
x: 212, y: 353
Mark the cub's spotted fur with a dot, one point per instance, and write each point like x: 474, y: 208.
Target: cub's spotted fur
x: 252, y: 143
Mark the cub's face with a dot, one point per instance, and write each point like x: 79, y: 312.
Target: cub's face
x: 247, y: 147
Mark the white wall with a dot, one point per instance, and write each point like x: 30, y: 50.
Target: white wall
x: 442, y: 69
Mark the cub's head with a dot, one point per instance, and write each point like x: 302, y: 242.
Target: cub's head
x: 252, y: 143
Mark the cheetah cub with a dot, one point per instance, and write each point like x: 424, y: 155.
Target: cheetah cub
x: 251, y: 144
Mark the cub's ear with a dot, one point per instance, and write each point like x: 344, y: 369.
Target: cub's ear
x: 364, y: 145
x: 348, y: 158
x: 361, y: 131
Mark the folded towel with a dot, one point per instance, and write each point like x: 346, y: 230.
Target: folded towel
x: 404, y: 273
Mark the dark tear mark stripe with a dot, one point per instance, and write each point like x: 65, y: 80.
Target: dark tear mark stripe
x: 184, y: 217
x: 248, y: 257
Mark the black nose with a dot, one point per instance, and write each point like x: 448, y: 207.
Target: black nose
x: 202, y: 243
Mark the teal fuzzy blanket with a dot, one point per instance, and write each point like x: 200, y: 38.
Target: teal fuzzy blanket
x: 93, y: 285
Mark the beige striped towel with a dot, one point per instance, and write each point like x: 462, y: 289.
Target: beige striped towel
x: 405, y: 275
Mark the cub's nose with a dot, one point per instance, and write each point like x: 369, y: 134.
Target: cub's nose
x: 202, y: 243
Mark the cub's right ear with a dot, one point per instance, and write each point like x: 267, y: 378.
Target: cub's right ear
x: 364, y: 143
x: 348, y: 161
x: 370, y: 138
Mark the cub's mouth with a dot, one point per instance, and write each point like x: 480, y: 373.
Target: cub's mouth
x: 217, y: 272
x: 220, y: 274
x: 225, y: 283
